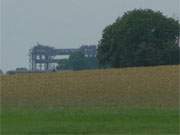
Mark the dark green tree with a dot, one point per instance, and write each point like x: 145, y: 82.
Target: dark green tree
x: 63, y: 65
x: 77, y: 61
x: 140, y: 38
x: 91, y: 63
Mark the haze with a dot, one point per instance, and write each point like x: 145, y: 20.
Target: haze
x: 62, y: 23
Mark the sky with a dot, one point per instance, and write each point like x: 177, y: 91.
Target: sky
x: 62, y: 23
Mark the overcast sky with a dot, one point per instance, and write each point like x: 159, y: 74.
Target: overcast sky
x: 62, y: 23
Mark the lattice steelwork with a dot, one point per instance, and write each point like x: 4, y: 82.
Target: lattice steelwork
x: 42, y: 58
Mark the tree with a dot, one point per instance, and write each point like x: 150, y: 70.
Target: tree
x: 91, y: 63
x: 140, y: 38
x: 77, y: 61
x: 63, y: 65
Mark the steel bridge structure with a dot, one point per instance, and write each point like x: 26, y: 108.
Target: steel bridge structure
x: 42, y: 58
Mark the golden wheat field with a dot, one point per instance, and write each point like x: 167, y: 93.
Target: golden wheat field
x: 150, y: 86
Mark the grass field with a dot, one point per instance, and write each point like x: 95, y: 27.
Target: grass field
x: 90, y: 121
x: 142, y: 101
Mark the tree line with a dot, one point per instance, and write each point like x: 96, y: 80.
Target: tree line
x: 141, y: 37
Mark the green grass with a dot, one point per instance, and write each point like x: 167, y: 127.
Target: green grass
x: 92, y: 120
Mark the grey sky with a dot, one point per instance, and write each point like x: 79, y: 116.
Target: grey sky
x: 62, y: 23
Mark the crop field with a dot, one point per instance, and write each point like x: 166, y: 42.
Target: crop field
x: 127, y: 101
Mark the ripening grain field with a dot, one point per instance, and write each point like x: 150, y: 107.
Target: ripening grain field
x: 139, y: 101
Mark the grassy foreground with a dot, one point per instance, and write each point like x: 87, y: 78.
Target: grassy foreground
x: 95, y: 121
x: 142, y: 101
